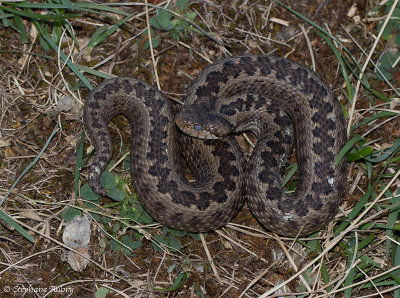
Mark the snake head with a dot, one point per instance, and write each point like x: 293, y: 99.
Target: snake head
x: 199, y: 122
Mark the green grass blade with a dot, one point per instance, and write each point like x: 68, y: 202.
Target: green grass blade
x: 102, y: 34
x: 349, y: 145
x: 83, y: 6
x: 93, y: 71
x: 378, y: 94
x: 78, y: 165
x: 64, y: 57
x: 359, y: 154
x: 386, y: 153
x: 27, y: 53
x: 179, y: 281
x: 4, y: 19
x: 350, y: 89
x: 359, y: 206
x: 293, y: 169
x: 303, y: 18
x: 21, y: 29
x: 30, y: 165
x: 10, y: 221
x: 366, y: 241
x: 34, y: 16
x: 378, y: 115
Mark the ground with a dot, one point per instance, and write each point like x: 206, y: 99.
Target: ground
x: 41, y: 104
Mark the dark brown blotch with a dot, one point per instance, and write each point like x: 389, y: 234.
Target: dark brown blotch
x: 301, y: 208
x: 274, y: 193
x: 313, y: 202
x: 268, y: 159
x: 284, y: 138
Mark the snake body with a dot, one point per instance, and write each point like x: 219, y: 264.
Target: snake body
x: 269, y: 96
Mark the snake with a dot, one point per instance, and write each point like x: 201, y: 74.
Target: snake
x: 187, y: 167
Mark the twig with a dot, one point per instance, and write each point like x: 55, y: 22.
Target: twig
x: 151, y: 46
x: 214, y: 269
x: 309, y: 46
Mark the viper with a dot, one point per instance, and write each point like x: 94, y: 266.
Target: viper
x: 281, y: 102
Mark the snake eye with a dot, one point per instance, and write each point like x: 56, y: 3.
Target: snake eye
x: 198, y: 127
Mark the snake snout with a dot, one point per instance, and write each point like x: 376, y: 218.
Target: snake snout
x: 203, y: 125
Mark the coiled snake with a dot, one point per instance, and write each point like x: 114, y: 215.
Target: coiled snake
x: 263, y: 94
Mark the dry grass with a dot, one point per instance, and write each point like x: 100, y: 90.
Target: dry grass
x: 43, y: 161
